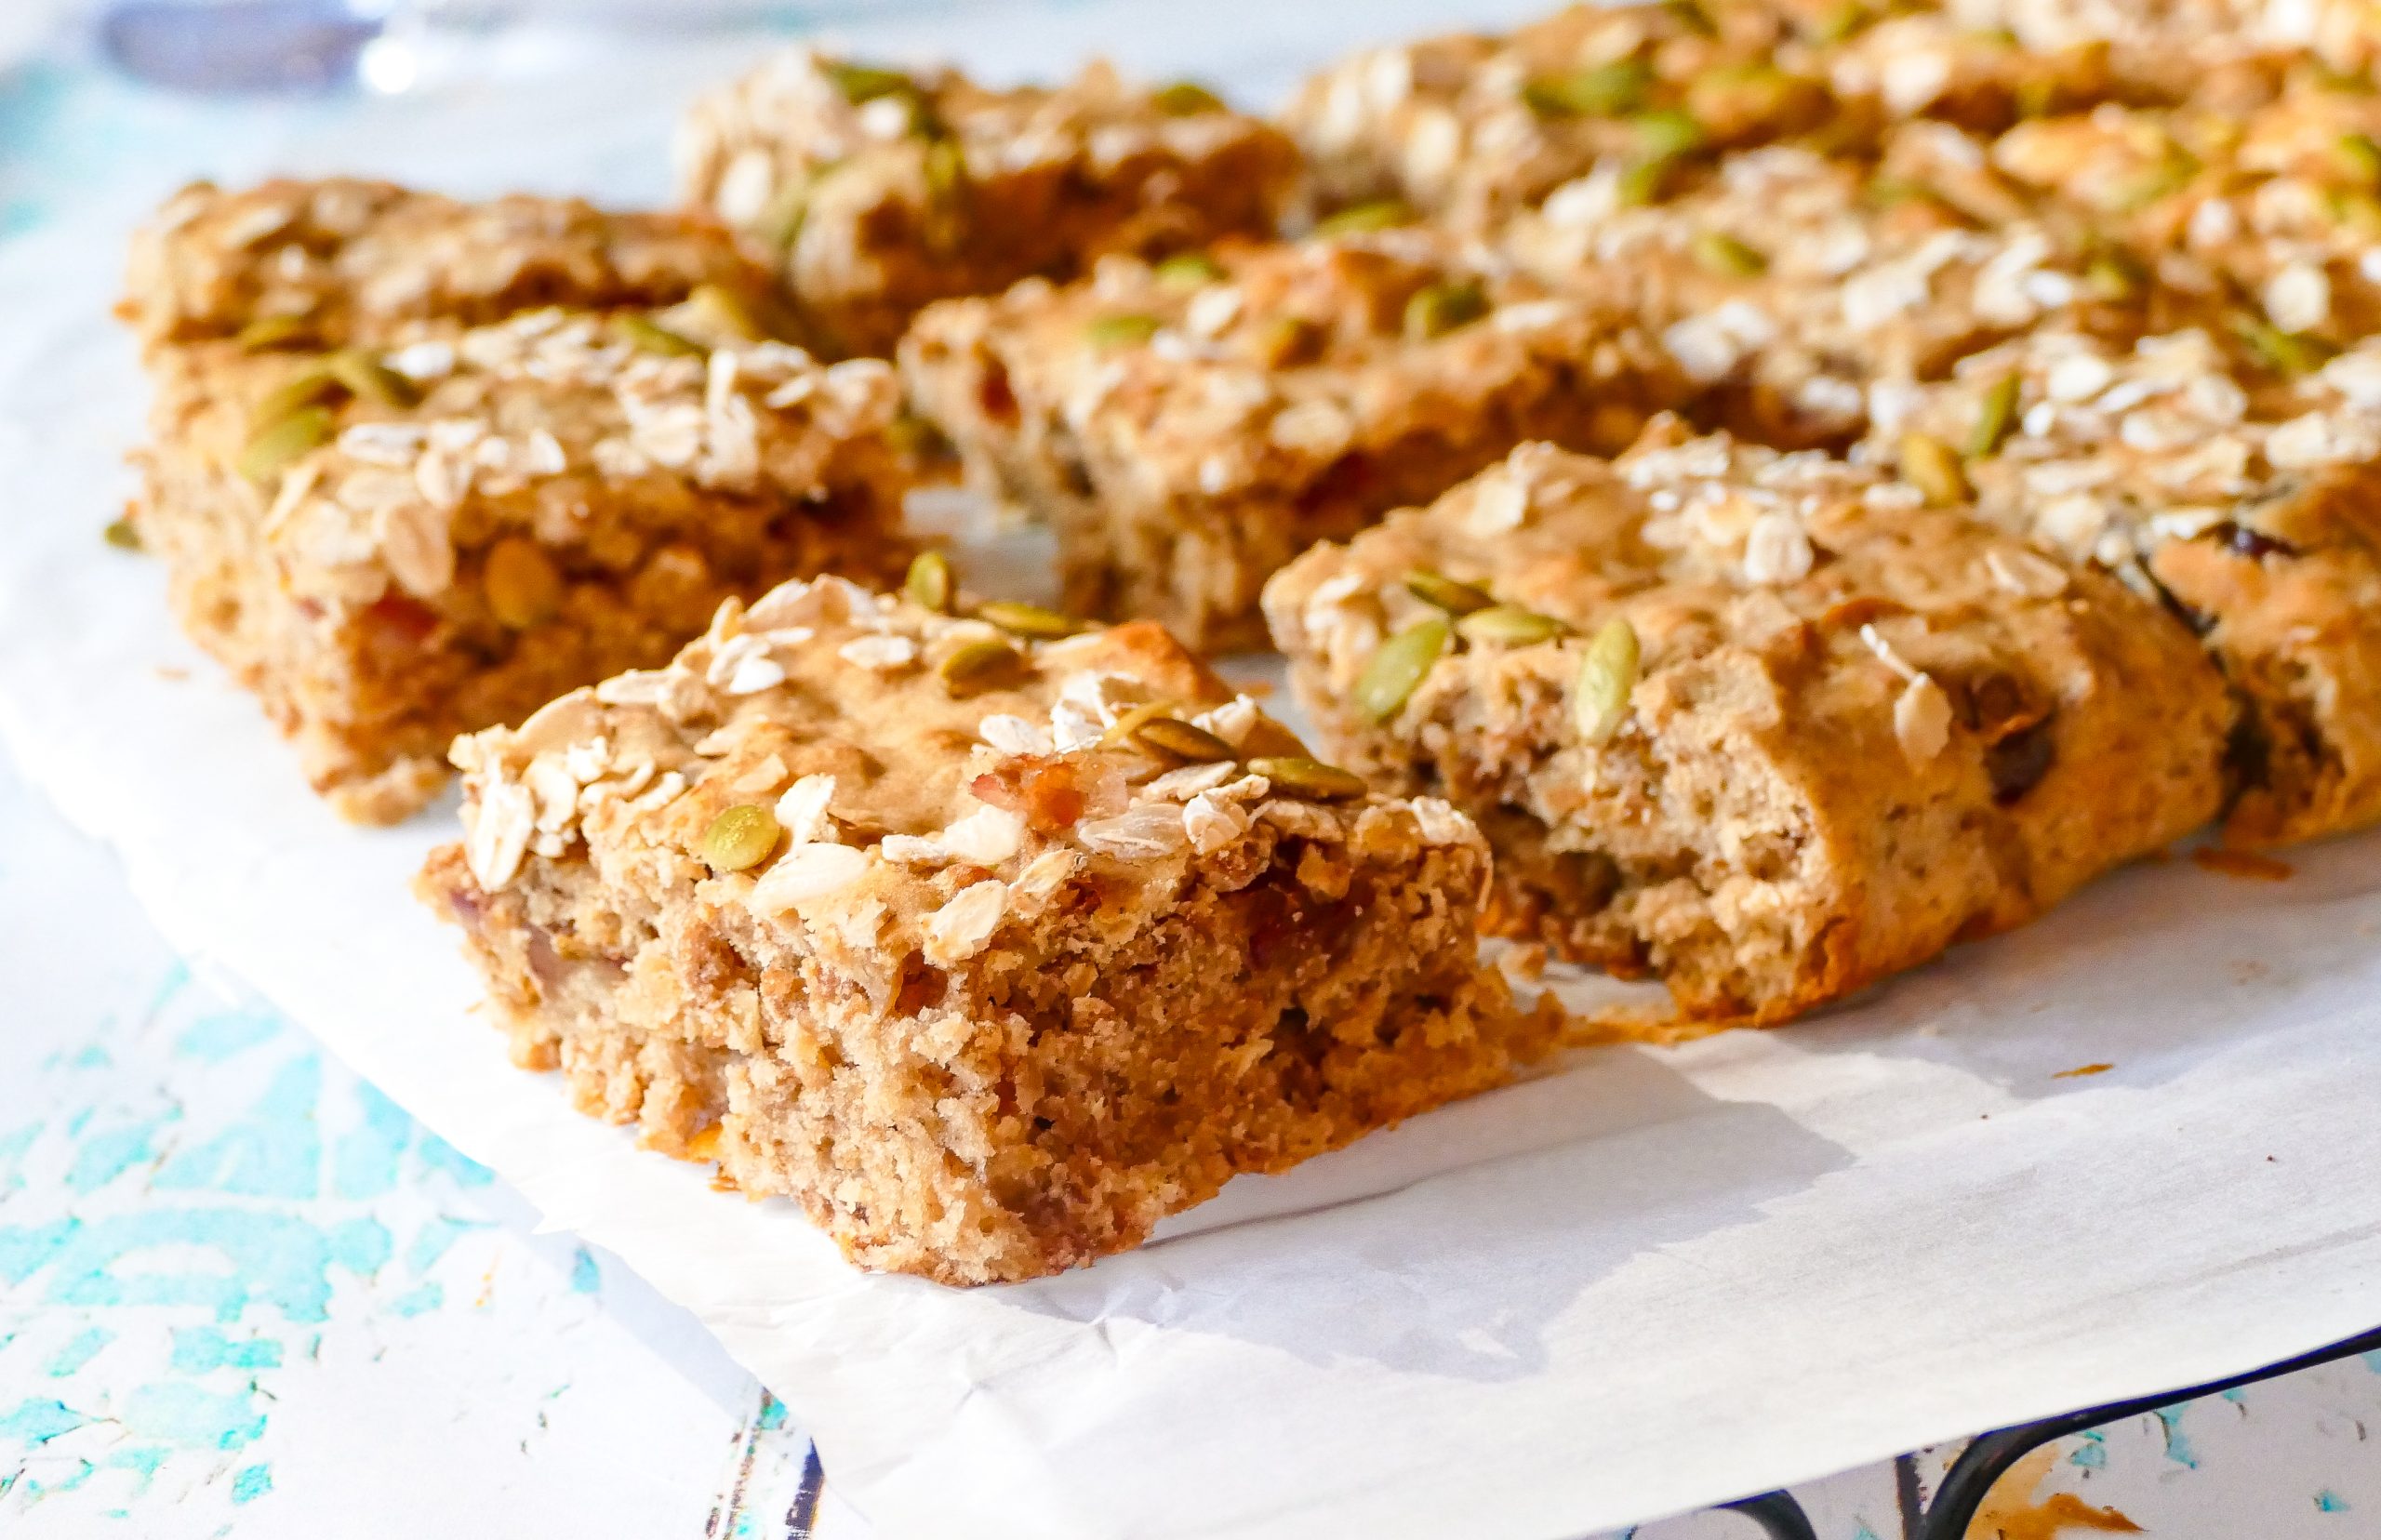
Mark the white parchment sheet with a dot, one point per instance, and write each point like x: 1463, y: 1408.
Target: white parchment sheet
x: 1656, y: 1280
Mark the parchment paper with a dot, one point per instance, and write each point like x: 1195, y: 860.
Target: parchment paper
x: 1656, y: 1280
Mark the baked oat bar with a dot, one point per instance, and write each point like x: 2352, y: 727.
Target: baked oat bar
x: 1188, y: 427
x: 394, y: 548
x: 2248, y: 507
x: 344, y: 261
x: 989, y: 951
x: 1761, y: 724
x: 1472, y: 129
x: 885, y: 191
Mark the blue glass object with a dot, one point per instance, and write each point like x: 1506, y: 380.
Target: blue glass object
x: 237, y: 46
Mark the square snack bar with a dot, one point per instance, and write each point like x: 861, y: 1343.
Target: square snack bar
x: 394, y: 548
x: 1190, y: 427
x: 1756, y: 723
x: 885, y: 191
x: 989, y: 952
x: 330, y: 263
x: 2256, y: 514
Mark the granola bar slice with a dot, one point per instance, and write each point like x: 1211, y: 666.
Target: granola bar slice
x: 1188, y: 427
x: 885, y: 191
x: 2246, y: 506
x: 988, y: 951
x: 1756, y: 723
x: 343, y: 261
x: 392, y: 549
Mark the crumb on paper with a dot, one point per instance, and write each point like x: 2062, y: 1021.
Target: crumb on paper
x: 2081, y: 1070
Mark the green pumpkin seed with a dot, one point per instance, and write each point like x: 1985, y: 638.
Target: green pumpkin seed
x: 2178, y: 166
x: 1928, y: 464
x: 1290, y: 340
x: 1840, y: 22
x: 1361, y: 218
x: 313, y: 384
x: 1305, y: 777
x: 1185, y: 98
x: 976, y: 666
x: 741, y: 838
x: 646, y: 335
x: 1723, y: 254
x: 277, y: 444
x: 1121, y: 331
x: 370, y: 379
x: 1644, y: 181
x: 1607, y: 673
x: 1994, y: 418
x: 122, y: 535
x: 1691, y: 15
x: 271, y: 331
x: 716, y: 311
x: 1398, y: 668
x: 946, y: 171
x: 1602, y: 90
x: 1509, y: 626
x: 865, y: 82
x: 1438, y: 309
x: 2116, y: 277
x: 929, y: 583
x: 1188, y: 269
x: 2284, y: 352
x: 1668, y: 131
x: 2363, y: 156
x: 1446, y: 593
x: 1032, y: 620
x: 1183, y: 740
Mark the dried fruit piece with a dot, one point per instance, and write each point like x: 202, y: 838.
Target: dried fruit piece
x: 929, y: 584
x: 646, y: 335
x: 1928, y: 464
x: 1398, y: 667
x: 1509, y: 626
x: 1446, y: 593
x: 1028, y: 619
x: 1305, y: 777
x: 740, y: 838
x: 370, y: 379
x: 1437, y: 309
x: 1723, y: 254
x: 523, y: 587
x: 1186, y: 269
x: 1607, y: 673
x: 1185, y: 98
x: 1600, y: 90
x: 1994, y: 418
x: 1361, y: 218
x: 1182, y: 741
x: 279, y: 442
x: 977, y: 666
x: 1121, y: 331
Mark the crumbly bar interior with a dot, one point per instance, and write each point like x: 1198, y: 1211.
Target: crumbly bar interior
x: 1168, y: 993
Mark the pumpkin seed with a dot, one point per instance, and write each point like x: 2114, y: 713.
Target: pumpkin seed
x: 1030, y: 621
x: 2284, y: 352
x: 929, y: 583
x: 1188, y: 269
x: 976, y: 666
x: 717, y: 311
x: 1840, y: 22
x: 271, y: 331
x: 646, y: 335
x: 1398, y: 668
x: 1359, y: 218
x: 741, y: 838
x: 1185, y: 98
x: 1994, y: 418
x: 122, y: 535
x: 1668, y: 131
x: 1607, y: 673
x: 1446, y: 593
x: 1602, y: 90
x: 277, y: 444
x: 1183, y: 740
x: 1509, y: 626
x: 370, y: 379
x: 1723, y: 254
x: 1437, y: 309
x: 864, y: 83
x: 313, y: 384
x: 1928, y: 464
x: 2116, y: 277
x: 2363, y: 157
x: 1290, y: 340
x: 1305, y: 777
x: 1121, y: 331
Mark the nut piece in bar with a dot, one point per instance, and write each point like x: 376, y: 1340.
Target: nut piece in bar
x: 884, y: 191
x: 393, y: 547
x: 989, y: 947
x: 1190, y: 426
x: 343, y: 262
x: 1762, y: 725
x: 2247, y: 507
